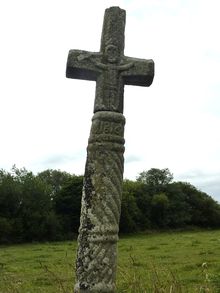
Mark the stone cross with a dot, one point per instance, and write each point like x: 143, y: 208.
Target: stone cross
x: 101, y: 200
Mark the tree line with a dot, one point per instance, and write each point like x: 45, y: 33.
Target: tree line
x: 46, y: 206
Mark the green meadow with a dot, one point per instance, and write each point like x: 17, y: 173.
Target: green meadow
x: 152, y: 262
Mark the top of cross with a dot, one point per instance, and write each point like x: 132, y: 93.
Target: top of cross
x: 109, y: 67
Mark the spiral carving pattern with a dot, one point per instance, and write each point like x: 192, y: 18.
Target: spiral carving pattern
x: 101, y: 205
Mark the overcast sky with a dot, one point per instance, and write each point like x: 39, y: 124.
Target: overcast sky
x: 45, y: 118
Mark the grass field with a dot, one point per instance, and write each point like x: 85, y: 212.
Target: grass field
x: 157, y: 262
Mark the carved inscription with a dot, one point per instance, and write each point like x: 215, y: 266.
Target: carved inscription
x: 107, y: 127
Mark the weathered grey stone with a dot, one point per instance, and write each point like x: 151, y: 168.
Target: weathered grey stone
x: 110, y: 68
x: 101, y: 200
x: 98, y: 235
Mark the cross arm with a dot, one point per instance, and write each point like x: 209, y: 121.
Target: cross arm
x: 141, y: 72
x: 81, y: 65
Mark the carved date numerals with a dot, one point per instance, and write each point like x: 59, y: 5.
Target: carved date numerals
x: 107, y: 127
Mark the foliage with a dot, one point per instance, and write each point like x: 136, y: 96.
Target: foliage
x: 156, y: 178
x: 31, y: 205
x: 160, y: 204
x: 129, y: 209
x: 67, y: 204
x: 46, y: 206
x: 55, y: 179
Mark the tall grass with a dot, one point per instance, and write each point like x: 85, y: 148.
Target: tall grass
x: 157, y: 263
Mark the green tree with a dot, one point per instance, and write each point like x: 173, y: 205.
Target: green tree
x: 46, y: 206
x: 211, y: 212
x: 55, y: 179
x: 36, y: 208
x: 205, y: 211
x: 10, y: 194
x: 143, y: 199
x: 129, y: 210
x: 68, y: 205
x: 179, y: 211
x: 159, y: 215
x: 10, y: 201
x: 156, y: 178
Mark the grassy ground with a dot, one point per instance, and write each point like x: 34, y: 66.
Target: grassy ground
x: 165, y: 262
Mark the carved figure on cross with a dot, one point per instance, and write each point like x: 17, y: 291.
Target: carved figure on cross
x: 110, y: 68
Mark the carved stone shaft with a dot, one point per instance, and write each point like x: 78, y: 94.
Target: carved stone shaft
x: 101, y: 201
x: 101, y: 204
